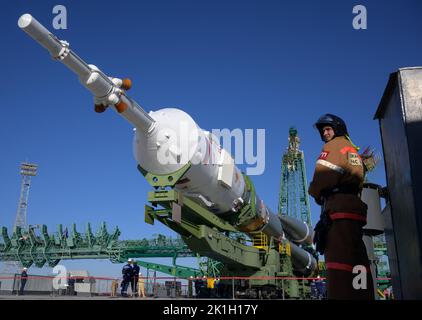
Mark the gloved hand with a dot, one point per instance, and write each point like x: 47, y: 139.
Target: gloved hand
x: 321, y: 232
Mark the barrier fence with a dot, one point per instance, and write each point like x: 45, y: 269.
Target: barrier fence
x: 155, y: 287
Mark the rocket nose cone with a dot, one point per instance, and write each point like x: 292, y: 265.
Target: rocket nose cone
x: 25, y: 20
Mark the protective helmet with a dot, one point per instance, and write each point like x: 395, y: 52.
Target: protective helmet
x: 130, y: 260
x: 338, y: 125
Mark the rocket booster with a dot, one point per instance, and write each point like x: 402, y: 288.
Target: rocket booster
x: 167, y: 139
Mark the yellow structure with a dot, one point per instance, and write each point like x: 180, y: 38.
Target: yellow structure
x: 284, y: 247
x: 260, y: 241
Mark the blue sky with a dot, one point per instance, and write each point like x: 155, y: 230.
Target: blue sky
x: 229, y: 64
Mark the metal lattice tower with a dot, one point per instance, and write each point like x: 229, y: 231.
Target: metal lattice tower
x: 28, y: 170
x: 294, y: 199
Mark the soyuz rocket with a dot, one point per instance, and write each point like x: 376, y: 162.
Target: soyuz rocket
x: 167, y: 139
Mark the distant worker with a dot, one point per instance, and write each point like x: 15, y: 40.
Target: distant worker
x: 127, y: 277
x: 314, y: 290
x: 198, y: 285
x: 141, y: 286
x: 390, y: 293
x: 321, y: 288
x: 210, y: 287
x: 114, y: 287
x: 190, y: 289
x: 24, y: 278
x: 71, y: 286
x: 336, y: 187
x: 135, y: 277
x: 385, y: 293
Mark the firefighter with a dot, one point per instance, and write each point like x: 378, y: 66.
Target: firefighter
x: 336, y: 186
x: 114, y: 287
x: 141, y: 286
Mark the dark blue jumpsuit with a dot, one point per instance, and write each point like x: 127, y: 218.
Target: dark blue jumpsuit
x: 135, y: 278
x: 24, y: 277
x: 127, y: 277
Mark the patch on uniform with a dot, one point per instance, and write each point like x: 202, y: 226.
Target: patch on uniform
x: 323, y: 155
x: 354, y: 159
